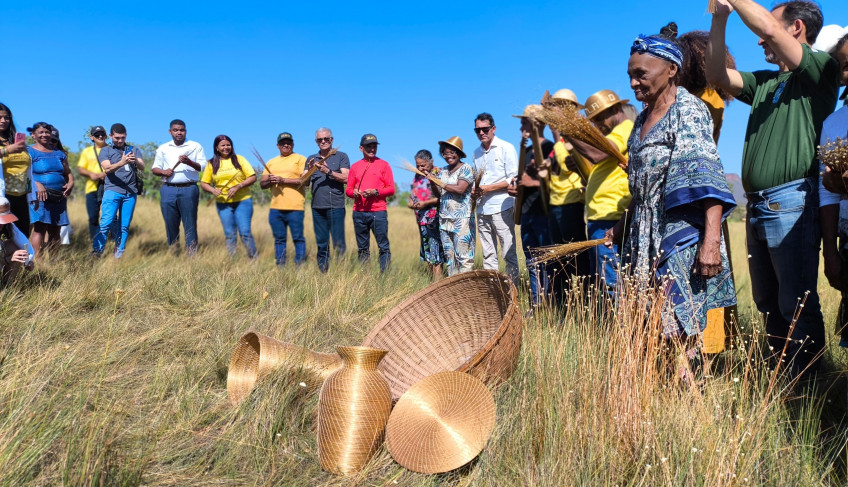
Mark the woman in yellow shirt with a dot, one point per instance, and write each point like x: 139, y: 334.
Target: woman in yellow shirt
x: 228, y: 177
x: 16, y: 164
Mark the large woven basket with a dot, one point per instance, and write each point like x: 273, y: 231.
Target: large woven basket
x: 469, y: 323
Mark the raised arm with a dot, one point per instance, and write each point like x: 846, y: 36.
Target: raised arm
x: 717, y: 71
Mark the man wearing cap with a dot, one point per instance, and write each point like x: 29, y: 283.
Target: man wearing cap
x: 780, y: 168
x: 16, y: 252
x: 179, y: 164
x: 533, y: 183
x: 369, y: 182
x: 607, y: 191
x: 495, y: 218
x: 566, y: 212
x: 89, y: 167
x: 288, y: 197
x: 120, y: 163
x: 328, y: 197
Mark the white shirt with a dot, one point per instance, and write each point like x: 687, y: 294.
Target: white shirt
x: 499, y: 163
x: 168, y: 155
x: 836, y: 125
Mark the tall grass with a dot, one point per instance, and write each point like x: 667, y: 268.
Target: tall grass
x: 105, y: 387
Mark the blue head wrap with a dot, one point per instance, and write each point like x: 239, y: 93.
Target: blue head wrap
x: 658, y: 47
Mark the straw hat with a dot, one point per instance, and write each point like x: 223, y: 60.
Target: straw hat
x: 568, y: 95
x: 441, y: 423
x: 531, y: 111
x: 600, y: 101
x: 6, y: 215
x: 454, y: 143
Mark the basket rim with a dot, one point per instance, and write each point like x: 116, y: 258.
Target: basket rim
x: 512, y: 307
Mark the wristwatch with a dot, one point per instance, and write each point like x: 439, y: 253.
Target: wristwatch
x: 376, y: 192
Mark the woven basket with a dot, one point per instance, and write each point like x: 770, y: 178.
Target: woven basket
x: 256, y: 355
x: 469, y: 323
x: 441, y: 423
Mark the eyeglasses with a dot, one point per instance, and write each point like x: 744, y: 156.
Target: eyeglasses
x: 483, y: 130
x: 99, y: 136
x: 323, y: 139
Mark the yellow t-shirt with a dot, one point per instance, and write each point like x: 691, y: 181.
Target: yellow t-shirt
x: 287, y: 197
x: 566, y: 187
x: 607, y: 192
x: 227, y: 177
x: 89, y: 162
x: 15, y: 168
x: 715, y: 105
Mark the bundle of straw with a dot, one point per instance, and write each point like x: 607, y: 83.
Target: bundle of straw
x: 306, y: 177
x: 433, y: 179
x: 551, y: 253
x: 260, y: 159
x: 477, y: 178
x: 834, y: 154
x: 566, y: 118
x: 711, y: 7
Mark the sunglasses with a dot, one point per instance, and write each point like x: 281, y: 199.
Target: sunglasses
x: 483, y: 130
x: 323, y: 139
x: 99, y: 136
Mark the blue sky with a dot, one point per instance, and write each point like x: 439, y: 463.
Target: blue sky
x: 413, y: 74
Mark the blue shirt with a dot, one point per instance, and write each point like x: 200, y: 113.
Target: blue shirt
x: 48, y: 167
x: 123, y: 180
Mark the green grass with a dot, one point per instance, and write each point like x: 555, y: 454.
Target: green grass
x: 114, y: 373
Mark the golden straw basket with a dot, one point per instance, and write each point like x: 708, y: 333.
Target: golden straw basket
x: 441, y: 423
x: 256, y: 355
x: 469, y: 322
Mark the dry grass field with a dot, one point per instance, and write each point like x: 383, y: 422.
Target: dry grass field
x: 114, y: 373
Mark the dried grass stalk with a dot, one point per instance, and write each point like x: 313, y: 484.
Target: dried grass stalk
x: 711, y: 7
x: 477, y: 178
x: 566, y: 118
x: 259, y: 158
x: 551, y: 253
x: 306, y: 177
x: 433, y: 179
x: 834, y: 154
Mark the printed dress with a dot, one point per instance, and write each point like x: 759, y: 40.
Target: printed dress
x: 456, y: 224
x: 428, y: 221
x: 671, y: 171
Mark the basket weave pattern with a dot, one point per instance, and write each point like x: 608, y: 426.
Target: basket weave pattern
x: 469, y: 322
x: 256, y: 355
x: 353, y: 408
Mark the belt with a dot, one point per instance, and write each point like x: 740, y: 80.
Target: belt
x: 180, y: 185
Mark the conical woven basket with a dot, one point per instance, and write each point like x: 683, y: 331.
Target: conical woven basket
x: 353, y: 408
x: 469, y: 322
x: 441, y: 423
x: 256, y: 355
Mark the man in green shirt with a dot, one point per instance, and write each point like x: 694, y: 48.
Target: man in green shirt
x: 779, y: 167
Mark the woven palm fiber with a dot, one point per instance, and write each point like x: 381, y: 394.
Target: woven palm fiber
x: 550, y: 253
x: 441, y: 423
x: 469, y: 322
x: 256, y: 355
x: 353, y: 408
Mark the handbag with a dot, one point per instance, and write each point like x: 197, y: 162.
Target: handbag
x: 54, y: 195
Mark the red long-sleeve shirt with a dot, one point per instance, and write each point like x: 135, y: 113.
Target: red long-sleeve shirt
x: 376, y: 174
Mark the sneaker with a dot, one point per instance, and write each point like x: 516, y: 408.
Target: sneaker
x: 119, y: 254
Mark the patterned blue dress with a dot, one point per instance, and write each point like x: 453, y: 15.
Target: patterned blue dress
x: 671, y: 172
x: 456, y: 223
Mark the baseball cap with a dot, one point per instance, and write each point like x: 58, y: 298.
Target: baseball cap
x: 97, y: 129
x: 283, y: 136
x: 368, y: 139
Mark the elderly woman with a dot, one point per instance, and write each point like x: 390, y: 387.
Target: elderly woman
x: 680, y: 196
x: 425, y: 203
x: 456, y: 223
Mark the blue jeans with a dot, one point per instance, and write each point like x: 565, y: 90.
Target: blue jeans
x: 783, y: 235
x: 92, y: 207
x: 535, y: 233
x: 328, y: 222
x: 236, y: 217
x: 113, y: 204
x: 293, y: 220
x: 603, y: 262
x: 180, y: 204
x: 365, y: 222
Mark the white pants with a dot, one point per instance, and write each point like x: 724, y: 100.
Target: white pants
x: 499, y: 227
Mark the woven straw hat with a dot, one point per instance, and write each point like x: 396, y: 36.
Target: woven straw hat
x: 441, y: 423
x: 600, y: 101
x: 454, y: 143
x: 568, y: 95
x: 531, y: 111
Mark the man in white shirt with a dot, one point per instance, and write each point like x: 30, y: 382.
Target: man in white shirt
x: 495, y: 219
x: 179, y: 164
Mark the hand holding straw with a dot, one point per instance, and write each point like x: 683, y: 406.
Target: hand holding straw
x: 227, y: 197
x: 834, y: 154
x: 433, y: 179
x: 566, y: 118
x: 551, y: 253
x: 477, y: 178
x: 306, y: 177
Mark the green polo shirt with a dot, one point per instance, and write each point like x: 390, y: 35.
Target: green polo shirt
x: 787, y: 112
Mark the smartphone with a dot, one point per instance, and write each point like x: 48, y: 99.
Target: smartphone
x: 20, y: 137
x: 128, y: 149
